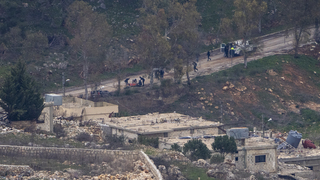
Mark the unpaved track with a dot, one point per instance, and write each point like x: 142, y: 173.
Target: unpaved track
x: 276, y: 43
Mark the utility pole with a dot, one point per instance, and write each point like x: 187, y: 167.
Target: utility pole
x: 221, y: 111
x: 262, y: 126
x: 63, y: 82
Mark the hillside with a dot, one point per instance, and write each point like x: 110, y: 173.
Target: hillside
x: 279, y: 87
x: 35, y: 31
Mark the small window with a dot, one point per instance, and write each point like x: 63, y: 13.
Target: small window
x: 236, y: 159
x: 237, y: 152
x: 191, y: 131
x: 261, y: 158
x: 165, y: 134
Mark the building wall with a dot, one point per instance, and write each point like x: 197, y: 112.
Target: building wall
x: 196, y: 132
x: 246, y: 159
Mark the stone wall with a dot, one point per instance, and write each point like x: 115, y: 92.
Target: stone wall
x: 45, y: 116
x: 81, y: 156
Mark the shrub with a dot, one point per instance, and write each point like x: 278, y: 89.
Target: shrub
x: 84, y: 137
x: 197, y: 149
x: 224, y: 144
x: 216, y: 159
x: 154, y: 142
x: 175, y: 147
x: 59, y: 131
x: 116, y: 141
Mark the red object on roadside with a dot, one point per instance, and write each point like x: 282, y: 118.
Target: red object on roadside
x: 308, y: 144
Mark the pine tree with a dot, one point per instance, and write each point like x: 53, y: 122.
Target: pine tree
x: 20, y: 96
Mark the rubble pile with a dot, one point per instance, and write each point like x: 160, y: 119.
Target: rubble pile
x: 222, y: 171
x: 74, y: 128
x: 173, y: 172
x: 175, y: 156
x: 5, y: 130
x: 299, y: 171
x: 201, y: 163
x: 17, y: 171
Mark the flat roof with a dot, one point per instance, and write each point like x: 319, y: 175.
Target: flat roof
x: 154, y: 123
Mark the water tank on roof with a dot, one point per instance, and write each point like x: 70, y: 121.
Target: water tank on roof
x: 238, y: 133
x: 56, y: 99
x: 294, y: 138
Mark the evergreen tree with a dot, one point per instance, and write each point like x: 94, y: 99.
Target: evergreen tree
x: 197, y: 149
x: 224, y: 144
x: 20, y: 96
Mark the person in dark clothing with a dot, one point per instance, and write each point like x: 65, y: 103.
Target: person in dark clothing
x: 126, y: 81
x: 226, y: 50
x: 195, y: 66
x: 208, y: 53
x: 161, y: 73
x: 142, y: 79
x: 140, y: 83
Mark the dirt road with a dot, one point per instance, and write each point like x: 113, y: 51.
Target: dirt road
x: 276, y: 43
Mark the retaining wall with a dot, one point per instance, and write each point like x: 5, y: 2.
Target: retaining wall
x: 81, y: 156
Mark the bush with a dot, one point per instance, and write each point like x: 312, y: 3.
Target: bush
x: 224, y: 144
x: 175, y: 147
x: 197, y: 149
x: 59, y: 131
x: 116, y: 141
x: 84, y: 137
x: 216, y: 159
x: 154, y: 142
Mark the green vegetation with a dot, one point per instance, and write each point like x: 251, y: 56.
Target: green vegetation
x: 176, y: 147
x: 191, y: 172
x: 153, y: 142
x: 196, y: 149
x: 224, y: 145
x: 20, y: 95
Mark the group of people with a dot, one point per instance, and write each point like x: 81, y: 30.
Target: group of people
x: 135, y: 82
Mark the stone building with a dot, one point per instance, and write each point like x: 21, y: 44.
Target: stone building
x: 160, y: 125
x: 258, y: 154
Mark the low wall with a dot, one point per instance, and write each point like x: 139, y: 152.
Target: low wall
x: 148, y: 162
x: 312, y: 162
x: 81, y: 156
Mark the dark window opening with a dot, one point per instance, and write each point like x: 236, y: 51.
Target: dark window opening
x: 236, y: 159
x: 237, y: 152
x: 165, y: 134
x: 261, y: 158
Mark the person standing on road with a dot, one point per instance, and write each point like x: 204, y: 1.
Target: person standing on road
x: 142, y: 79
x: 232, y: 51
x: 195, y: 66
x: 126, y: 81
x: 226, y: 50
x: 208, y: 53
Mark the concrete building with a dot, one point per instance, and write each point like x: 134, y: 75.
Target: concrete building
x: 255, y: 153
x: 170, y: 125
x: 78, y: 108
x: 85, y: 109
x: 257, y: 156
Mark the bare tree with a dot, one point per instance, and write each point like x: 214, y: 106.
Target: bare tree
x: 91, y: 35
